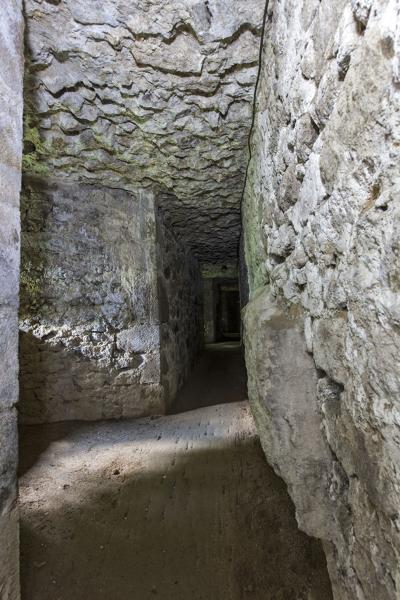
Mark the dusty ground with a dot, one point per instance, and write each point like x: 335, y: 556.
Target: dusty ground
x: 182, y: 507
x: 218, y: 377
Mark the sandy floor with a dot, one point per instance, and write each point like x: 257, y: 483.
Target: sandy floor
x: 182, y: 507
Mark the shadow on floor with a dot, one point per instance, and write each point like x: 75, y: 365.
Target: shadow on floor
x: 183, y: 507
x: 219, y: 377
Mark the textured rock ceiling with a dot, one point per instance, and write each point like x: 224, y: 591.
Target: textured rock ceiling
x: 147, y: 93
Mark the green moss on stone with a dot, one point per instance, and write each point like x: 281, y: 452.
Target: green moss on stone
x: 35, y: 149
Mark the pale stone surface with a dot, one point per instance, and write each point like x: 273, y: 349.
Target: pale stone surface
x: 147, y: 94
x: 11, y: 73
x: 90, y: 343
x: 110, y: 317
x: 321, y: 216
x: 287, y: 412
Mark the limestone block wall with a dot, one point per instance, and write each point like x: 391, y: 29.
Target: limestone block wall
x: 180, y: 310
x: 89, y: 308
x: 322, y: 237
x: 11, y: 73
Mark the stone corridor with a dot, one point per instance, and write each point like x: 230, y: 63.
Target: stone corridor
x: 199, y: 299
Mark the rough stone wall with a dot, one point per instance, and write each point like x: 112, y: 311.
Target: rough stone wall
x: 147, y: 94
x: 89, y: 307
x: 11, y: 72
x: 209, y: 311
x: 322, y: 237
x: 180, y: 310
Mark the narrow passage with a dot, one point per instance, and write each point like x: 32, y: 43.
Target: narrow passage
x: 218, y: 377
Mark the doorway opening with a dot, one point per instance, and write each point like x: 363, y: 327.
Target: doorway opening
x: 228, y: 311
x: 222, y: 304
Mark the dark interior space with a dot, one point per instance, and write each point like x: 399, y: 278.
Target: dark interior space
x: 222, y: 319
x: 218, y: 377
x: 228, y: 311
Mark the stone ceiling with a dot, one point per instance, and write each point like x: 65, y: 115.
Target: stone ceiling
x: 138, y: 94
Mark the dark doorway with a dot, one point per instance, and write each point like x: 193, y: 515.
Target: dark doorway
x: 228, y: 312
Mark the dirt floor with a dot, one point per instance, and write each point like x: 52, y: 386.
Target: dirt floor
x: 182, y: 507
x: 218, y: 377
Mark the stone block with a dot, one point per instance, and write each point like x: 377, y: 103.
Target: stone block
x: 9, y: 556
x: 9, y: 354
